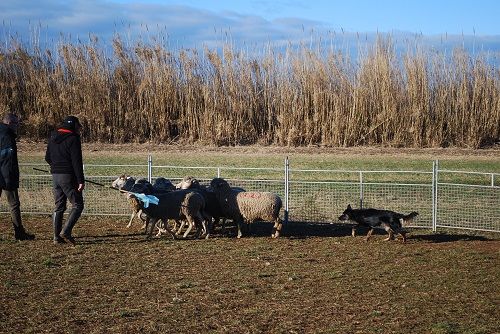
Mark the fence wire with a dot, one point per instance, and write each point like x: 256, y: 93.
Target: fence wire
x: 313, y: 195
x: 468, y: 207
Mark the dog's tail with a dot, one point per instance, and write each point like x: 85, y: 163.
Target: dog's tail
x: 410, y: 216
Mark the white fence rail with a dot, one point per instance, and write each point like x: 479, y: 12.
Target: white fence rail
x: 443, y: 198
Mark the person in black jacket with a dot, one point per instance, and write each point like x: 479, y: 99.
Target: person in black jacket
x: 64, y: 155
x: 9, y: 173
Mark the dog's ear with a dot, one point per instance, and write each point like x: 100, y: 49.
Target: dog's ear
x: 349, y: 207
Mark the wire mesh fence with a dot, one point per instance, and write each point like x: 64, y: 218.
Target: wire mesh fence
x: 451, y: 199
x: 468, y: 207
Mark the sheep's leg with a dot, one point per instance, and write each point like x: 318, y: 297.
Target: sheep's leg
x: 158, y: 227
x: 179, y: 225
x: 209, y: 229
x: 150, y: 225
x: 207, y: 225
x: 190, y: 226
x: 179, y: 230
x: 277, y: 228
x: 239, y: 223
x: 223, y: 225
x: 166, y: 229
x: 131, y: 219
x: 176, y: 226
x: 144, y: 222
x: 161, y: 226
x: 201, y: 228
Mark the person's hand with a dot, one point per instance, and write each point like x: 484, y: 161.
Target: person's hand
x: 81, y: 186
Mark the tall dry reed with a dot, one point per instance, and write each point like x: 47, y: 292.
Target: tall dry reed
x: 300, y: 96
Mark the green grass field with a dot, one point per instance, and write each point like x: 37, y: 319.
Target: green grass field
x: 352, y: 159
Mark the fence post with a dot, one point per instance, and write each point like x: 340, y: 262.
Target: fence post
x: 287, y: 188
x: 150, y: 168
x: 361, y: 190
x: 218, y: 172
x: 435, y: 165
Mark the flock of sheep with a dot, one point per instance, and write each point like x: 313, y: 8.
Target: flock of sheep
x: 197, y: 206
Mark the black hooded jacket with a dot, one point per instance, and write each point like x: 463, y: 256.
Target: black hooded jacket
x: 64, y: 154
x: 9, y: 167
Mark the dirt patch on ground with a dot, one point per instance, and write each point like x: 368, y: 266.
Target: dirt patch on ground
x: 316, y: 279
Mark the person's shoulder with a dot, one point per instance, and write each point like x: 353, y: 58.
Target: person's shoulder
x: 6, y: 131
x: 3, y: 127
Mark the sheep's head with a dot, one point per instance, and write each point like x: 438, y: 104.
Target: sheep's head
x: 163, y: 184
x: 188, y: 182
x: 123, y: 182
x: 219, y: 184
x: 142, y: 187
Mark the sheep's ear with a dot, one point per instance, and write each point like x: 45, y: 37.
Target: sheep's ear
x: 349, y: 207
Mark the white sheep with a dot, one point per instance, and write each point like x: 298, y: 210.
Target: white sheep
x: 212, y: 205
x: 124, y: 182
x: 161, y: 185
x: 177, y: 205
x: 248, y: 206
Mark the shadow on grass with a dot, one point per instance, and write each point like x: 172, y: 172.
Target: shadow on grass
x: 442, y: 237
x: 291, y: 230
x: 303, y: 230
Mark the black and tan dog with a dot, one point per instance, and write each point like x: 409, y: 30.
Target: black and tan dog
x: 390, y: 221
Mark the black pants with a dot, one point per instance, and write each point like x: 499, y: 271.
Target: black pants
x: 15, y: 206
x: 65, y: 188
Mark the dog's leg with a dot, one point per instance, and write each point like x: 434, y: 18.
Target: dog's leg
x: 403, y: 235
x: 391, y: 235
x: 389, y: 230
x: 369, y: 234
x: 353, y: 231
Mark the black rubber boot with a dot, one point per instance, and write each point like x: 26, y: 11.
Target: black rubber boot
x: 68, y: 227
x: 21, y: 234
x: 57, y: 219
x: 19, y: 231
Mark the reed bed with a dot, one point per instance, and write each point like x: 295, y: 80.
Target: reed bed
x: 295, y: 97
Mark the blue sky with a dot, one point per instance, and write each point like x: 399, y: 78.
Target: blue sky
x: 428, y: 17
x: 196, y: 23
